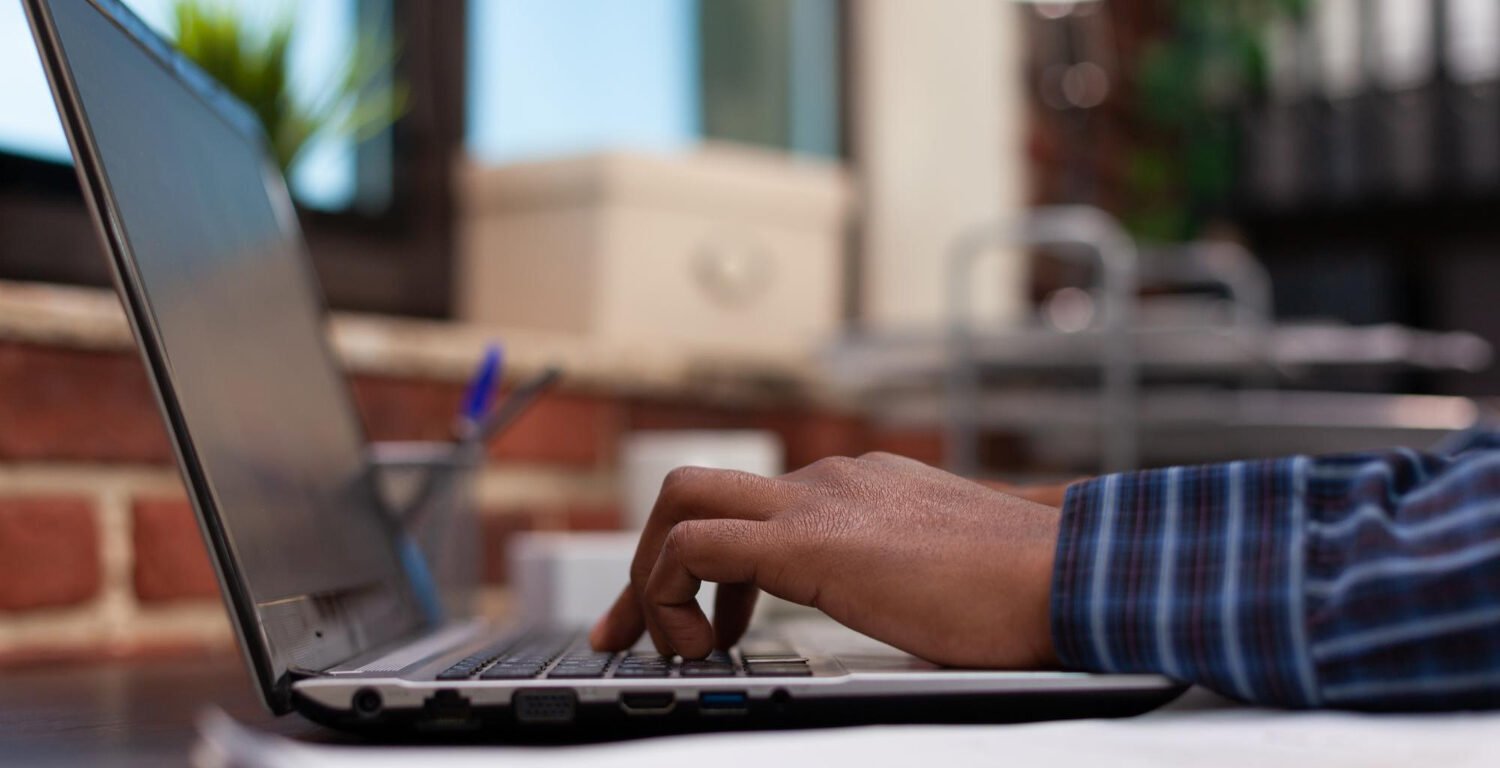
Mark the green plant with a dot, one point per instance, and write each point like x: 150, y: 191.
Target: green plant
x: 1209, y: 59
x: 252, y: 60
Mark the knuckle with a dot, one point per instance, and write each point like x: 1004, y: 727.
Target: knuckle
x: 678, y: 539
x: 843, y: 477
x: 683, y: 537
x: 836, y: 466
x: 738, y: 477
x: 687, y: 485
x: 679, y: 489
x: 678, y: 479
x: 879, y: 456
x: 681, y: 475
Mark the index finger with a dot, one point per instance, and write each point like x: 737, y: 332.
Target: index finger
x: 723, y: 551
x: 687, y: 493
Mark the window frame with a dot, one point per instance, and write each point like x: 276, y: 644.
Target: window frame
x: 396, y: 260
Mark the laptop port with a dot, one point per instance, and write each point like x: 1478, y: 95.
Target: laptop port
x: 447, y: 710
x: 544, y: 706
x: 724, y: 702
x: 367, y: 702
x: 648, y: 702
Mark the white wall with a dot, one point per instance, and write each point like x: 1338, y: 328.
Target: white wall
x: 938, y: 132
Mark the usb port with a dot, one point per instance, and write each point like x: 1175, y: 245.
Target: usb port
x: 724, y: 702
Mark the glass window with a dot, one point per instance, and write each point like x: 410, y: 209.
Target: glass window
x: 324, y: 176
x: 554, y: 77
x: 558, y: 77
x: 28, y: 124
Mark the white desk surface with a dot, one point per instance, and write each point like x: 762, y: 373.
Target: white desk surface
x: 1198, y: 730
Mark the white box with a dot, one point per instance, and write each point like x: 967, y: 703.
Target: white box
x: 571, y: 579
x: 648, y: 456
x: 731, y: 249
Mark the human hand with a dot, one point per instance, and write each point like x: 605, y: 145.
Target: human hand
x: 938, y: 566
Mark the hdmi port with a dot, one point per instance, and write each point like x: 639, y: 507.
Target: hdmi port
x: 648, y: 702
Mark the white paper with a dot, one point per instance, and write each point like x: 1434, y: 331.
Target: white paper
x: 1182, y: 735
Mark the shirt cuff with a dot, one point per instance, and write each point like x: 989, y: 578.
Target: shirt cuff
x: 1191, y: 572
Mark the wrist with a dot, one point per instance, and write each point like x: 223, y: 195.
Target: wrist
x: 1041, y: 579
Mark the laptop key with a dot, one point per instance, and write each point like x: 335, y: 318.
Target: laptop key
x: 466, y: 667
x: 778, y: 670
x: 587, y: 655
x: 646, y: 664
x: 624, y: 671
x: 706, y: 669
x: 580, y: 666
x: 779, y: 658
x: 498, y: 672
x: 575, y: 673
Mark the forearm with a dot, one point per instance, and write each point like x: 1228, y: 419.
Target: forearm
x: 1352, y: 582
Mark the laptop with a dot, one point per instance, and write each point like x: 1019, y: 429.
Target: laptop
x: 213, y: 273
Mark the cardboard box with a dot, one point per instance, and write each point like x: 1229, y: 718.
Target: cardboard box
x: 732, y: 249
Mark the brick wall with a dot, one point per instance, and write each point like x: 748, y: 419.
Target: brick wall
x: 99, y: 552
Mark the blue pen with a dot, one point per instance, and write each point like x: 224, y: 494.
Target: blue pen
x: 424, y: 586
x: 481, y: 391
x: 477, y: 400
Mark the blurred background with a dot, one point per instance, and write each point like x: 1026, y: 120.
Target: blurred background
x: 1026, y: 241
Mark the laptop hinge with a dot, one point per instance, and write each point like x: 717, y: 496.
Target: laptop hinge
x: 413, y: 651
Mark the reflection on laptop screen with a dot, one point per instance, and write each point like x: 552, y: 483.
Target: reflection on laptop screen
x: 206, y: 221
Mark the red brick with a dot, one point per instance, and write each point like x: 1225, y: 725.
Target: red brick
x: 645, y: 414
x: 49, y: 552
x: 77, y: 405
x: 63, y: 404
x: 562, y: 428
x: 812, y: 435
x: 170, y: 561
x: 497, y: 529
x: 406, y: 409
x: 597, y: 516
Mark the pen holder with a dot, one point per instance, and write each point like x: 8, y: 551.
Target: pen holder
x: 428, y: 488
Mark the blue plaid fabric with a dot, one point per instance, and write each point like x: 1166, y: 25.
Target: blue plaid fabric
x: 1366, y: 581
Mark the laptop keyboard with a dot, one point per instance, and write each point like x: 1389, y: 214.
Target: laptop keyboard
x: 566, y: 656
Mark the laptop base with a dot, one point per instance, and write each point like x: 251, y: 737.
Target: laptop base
x: 556, y: 715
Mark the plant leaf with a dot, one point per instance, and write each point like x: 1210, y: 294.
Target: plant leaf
x: 253, y: 61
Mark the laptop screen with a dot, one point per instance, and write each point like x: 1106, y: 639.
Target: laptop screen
x: 218, y: 260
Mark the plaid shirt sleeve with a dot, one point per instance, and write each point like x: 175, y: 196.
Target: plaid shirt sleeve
x: 1362, y: 581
